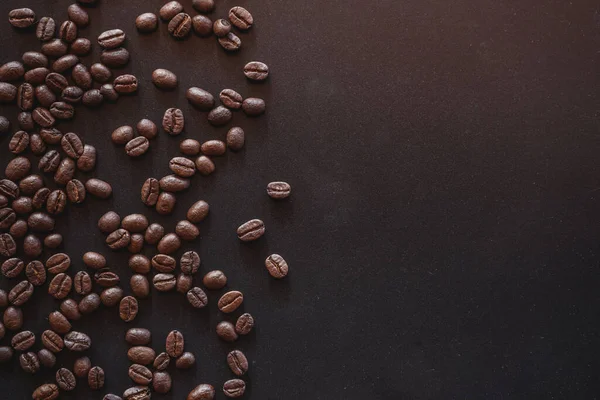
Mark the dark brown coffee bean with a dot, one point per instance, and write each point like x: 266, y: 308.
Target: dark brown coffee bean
x: 13, y: 318
x: 45, y: 29
x: 36, y: 273
x: 203, y: 6
x: 87, y: 160
x: 186, y: 361
x: 11, y: 71
x: 164, y: 263
x: 234, y: 388
x: 128, y: 308
x: 116, y: 58
x: 277, y: 266
x: 230, y: 42
x: 7, y: 217
x: 109, y: 222
x: 75, y: 191
x: 202, y: 25
x: 169, y: 10
x: 253, y: 106
x: 96, y: 260
x: 8, y: 92
x: 60, y: 286
x: 25, y: 121
x: 43, y: 117
x: 182, y: 166
x: 40, y: 222
x: 32, y: 246
x: 34, y: 59
x: 18, y: 144
x: 146, y: 23
x: 12, y: 267
x: 111, y: 39
x: 37, y: 145
x: 112, y: 296
x: 47, y: 359
x: 29, y: 185
x: 106, y: 278
x: 37, y: 76
x: 244, y: 324
x: 161, y: 362
x: 82, y: 77
x: 82, y: 366
x: 8, y: 247
x: 235, y: 138
x: 138, y: 336
x: 238, y: 363
x: 215, y: 280
x: 279, y: 190
x: 164, y: 282
x: 125, y: 84
x: 230, y: 301
x: 59, y: 324
x: 137, y: 393
x: 22, y: 341
x: 169, y: 244
x: 29, y: 362
x: 18, y: 229
x: 197, y: 298
x: 173, y: 121
x: 226, y: 331
x: 68, y: 31
x: 141, y: 355
x: 166, y: 203
x: 221, y: 27
x: 44, y: 96
x: 147, y: 128
x: 213, y: 148
x: 65, y: 379
x: 65, y: 63
x: 52, y: 341
x: 56, y: 82
x: 202, y: 392
x: 139, y: 286
x: 109, y: 93
x: 56, y: 202
x: 122, y: 134
x: 175, y: 343
x: 219, y: 116
x: 91, y: 302
x: 39, y: 200
x: 136, y: 244
x: 256, y: 71
x: 241, y: 18
x: 137, y: 146
x: 52, y: 241
x: 22, y: 205
x: 81, y: 47
x: 47, y: 391
x: 174, y: 183
x: 184, y: 283
x: 186, y: 230
x: 231, y: 99
x: 100, y: 73
x: 70, y: 309
x: 251, y: 230
x: 161, y: 382
x: 18, y: 168
x: 20, y: 293
x: 96, y: 378
x: 83, y: 283
x: 200, y: 98
x: 25, y: 97
x: 140, y: 374
x: 139, y: 263
x: 180, y: 26
x: 98, y: 188
x: 78, y: 15
x: 72, y: 145
x: 190, y: 262
x: 9, y: 189
x: 198, y: 211
x: 150, y: 191
x: 77, y: 341
x: 190, y: 147
x: 164, y: 79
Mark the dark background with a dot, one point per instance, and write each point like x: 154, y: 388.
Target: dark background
x: 443, y: 229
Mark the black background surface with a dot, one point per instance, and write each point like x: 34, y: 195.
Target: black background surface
x: 443, y: 228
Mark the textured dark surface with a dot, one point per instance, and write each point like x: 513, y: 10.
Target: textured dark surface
x: 442, y: 232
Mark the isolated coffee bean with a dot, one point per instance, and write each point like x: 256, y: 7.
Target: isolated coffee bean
x: 81, y: 47
x: 96, y: 260
x: 40, y: 222
x: 45, y: 29
x: 82, y: 77
x: 174, y: 183
x: 119, y: 239
x: 138, y: 336
x: 164, y: 263
x: 18, y: 144
x: 59, y: 324
x: 279, y: 190
x: 202, y: 392
x: 251, y: 230
x: 146, y: 22
x: 173, y: 121
x: 174, y: 344
x: 111, y: 296
x: 169, y: 10
x: 58, y: 263
x: 230, y: 42
x: 68, y: 31
x: 56, y: 202
x: 53, y: 240
x: 169, y: 244
x: 230, y: 301
x: 96, y: 378
x: 78, y: 15
x: 164, y: 79
x: 219, y: 116
x: 82, y: 283
x: 150, y: 191
x: 115, y: 58
x: 202, y: 25
x: 235, y: 138
x: 70, y: 309
x: 111, y: 39
x: 98, y: 188
x: 166, y: 203
x: 221, y: 27
x: 65, y: 379
x: 214, y: 280
x: 128, y: 308
x: 256, y: 71
x: 253, y: 106
x: 226, y: 331
x: 47, y: 359
x: 47, y: 391
x: 60, y: 286
x: 140, y: 374
x: 77, y: 341
x: 237, y: 362
x: 180, y: 26
x: 140, y: 286
x: 8, y: 247
x: 82, y: 366
x: 213, y: 148
x: 109, y: 93
x: 87, y: 161
x: 141, y: 355
x: 164, y: 282
x: 29, y: 362
x: 186, y: 361
x: 137, y: 146
x: 106, y: 278
x: 109, y: 222
x: 21, y: 17
x: 234, y: 388
x: 154, y: 233
x: 197, y: 298
x: 200, y: 98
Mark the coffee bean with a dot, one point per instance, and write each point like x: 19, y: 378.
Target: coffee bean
x: 56, y: 82
x: 251, y: 230
x: 100, y: 73
x: 213, y: 148
x: 200, y: 98
x: 256, y: 71
x: 138, y: 336
x: 56, y: 202
x: 43, y: 117
x: 161, y: 362
x: 215, y: 280
x: 230, y: 301
x: 140, y: 374
x: 203, y: 6
x: 169, y: 10
x: 22, y: 205
x: 65, y: 379
x: 52, y: 241
x: 45, y: 29
x: 32, y: 246
x: 29, y: 185
x: 244, y: 324
x: 12, y: 267
x: 253, y: 106
x: 202, y: 392
x: 60, y: 286
x: 164, y: 282
x: 146, y: 22
x: 9, y: 189
x: 231, y: 99
x: 109, y: 222
x: 230, y: 42
x: 87, y: 160
x: 8, y: 247
x: 125, y: 84
x: 18, y: 229
x: 161, y: 382
x: 44, y: 96
x: 77, y: 341
x: 13, y: 318
x: 219, y: 116
x: 21, y: 17
x: 238, y: 363
x: 128, y: 308
x: 202, y: 25
x: 111, y: 39
x: 141, y: 355
x: 75, y: 191
x: 52, y: 341
x: 109, y: 93
x: 68, y: 31
x: 112, y: 296
x: 116, y: 58
x: 147, y: 128
x: 4, y: 125
x: 82, y: 77
x: 98, y: 188
x: 175, y: 343
x: 184, y: 283
x: 96, y: 378
x: 197, y: 298
x: 164, y: 263
x: 204, y: 165
x: 226, y: 331
x: 22, y: 341
x: 136, y: 244
x: 221, y: 27
x: 20, y: 293
x: 59, y: 324
x: 82, y: 367
x: 139, y: 286
x: 65, y: 63
x: 106, y: 278
x: 190, y: 262
x: 83, y: 283
x: 64, y: 110
x: 122, y: 134
x: 18, y: 144
x: 186, y: 230
x: 49, y: 161
x: 70, y: 309
x: 40, y: 222
x: 150, y: 191
x: 235, y: 138
x: 173, y: 121
x: 47, y: 391
x: 174, y: 183
x: 139, y: 263
x: 164, y: 79
x: 8, y: 92
x: 25, y: 97
x: 180, y: 26
x: 81, y: 47
x: 7, y: 217
x: 119, y: 239
x: 182, y: 166
x: 36, y: 273
x: 234, y: 388
x: 190, y: 147
x: 92, y: 98
x: 47, y: 359
x: 72, y: 145
x: 29, y: 362
x: 96, y: 260
x: 137, y: 393
x: 36, y: 76
x: 137, y: 146
x: 25, y: 121
x: 3, y: 300
x: 34, y: 59
x: 78, y: 15
x: 17, y: 168
x: 241, y: 18
x: 169, y: 243
x: 166, y: 203
x: 278, y: 190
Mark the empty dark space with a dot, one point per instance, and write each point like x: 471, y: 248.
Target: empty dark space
x: 442, y: 232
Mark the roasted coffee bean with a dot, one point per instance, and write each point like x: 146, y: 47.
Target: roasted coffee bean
x: 25, y: 121
x: 9, y: 189
x: 235, y: 138
x: 32, y: 246
x: 204, y: 165
x: 182, y: 166
x: 184, y: 283
x: 18, y: 144
x: 122, y: 134
x: 139, y: 263
x: 65, y: 63
x: 137, y: 393
x: 146, y: 22
x: 234, y: 388
x: 202, y: 25
x: 34, y: 59
x: 44, y: 96
x: 81, y: 47
x: 186, y: 230
x: 164, y: 79
x: 91, y: 302
x: 115, y: 58
x: 231, y: 99
x: 197, y: 298
x: 20, y: 293
x: 140, y: 374
x: 238, y: 363
x: 106, y: 278
x: 29, y: 362
x: 125, y: 84
x: 49, y: 161
x: 161, y: 362
x: 112, y: 296
x: 56, y: 202
x: 75, y: 191
x: 60, y: 286
x: 109, y: 222
x: 150, y: 191
x: 21, y: 17
x: 221, y: 27
x: 87, y: 160
x: 47, y: 391
x: 52, y: 341
x: 190, y: 147
x: 8, y: 247
x: 251, y: 230
x: 111, y: 39
x: 70, y: 309
x: 96, y: 260
x: 164, y: 263
x: 56, y: 82
x: 52, y: 241
x: 25, y: 96
x: 226, y: 331
x: 22, y: 205
x: 82, y: 366
x: 7, y: 217
x: 241, y: 18
x: 219, y: 116
x: 65, y: 379
x: 137, y: 146
x: 166, y: 203
x: 147, y: 128
x: 202, y: 392
x: 100, y: 73
x: 230, y: 42
x: 98, y: 188
x: 187, y: 360
x: 200, y: 98
x: 36, y: 273
x: 55, y: 48
x: 230, y: 301
x: 47, y: 359
x: 92, y: 98
x: 59, y: 324
x: 45, y: 29
x: 136, y: 244
x: 180, y: 26
x: 173, y: 121
x: 43, y: 117
x: 139, y: 286
x: 174, y: 183
x: 198, y: 211
x: 30, y: 184
x: 83, y: 283
x: 4, y: 125
x: 78, y: 15
x: 161, y: 382
x: 40, y: 222
x: 8, y: 92
x: 169, y: 244
x: 277, y: 266
x: 37, y: 76
x: 213, y: 148
x: 253, y: 106
x: 141, y: 355
x: 18, y: 229
x: 256, y: 71
x: 68, y: 31
x: 82, y: 77
x: 13, y: 318
x: 174, y: 344
x: 164, y: 282
x: 72, y: 145
x: 109, y: 93
x: 128, y: 308
x: 244, y: 324
x: 77, y: 341
x: 190, y: 262
x: 22, y: 341
x: 215, y: 280
x: 17, y: 168
x: 138, y: 336
x: 169, y: 10
x: 154, y: 233
x: 96, y: 378
x: 279, y: 190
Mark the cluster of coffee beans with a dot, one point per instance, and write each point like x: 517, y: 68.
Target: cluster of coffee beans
x: 135, y: 146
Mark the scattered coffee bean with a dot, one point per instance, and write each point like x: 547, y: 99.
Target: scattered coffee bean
x: 244, y: 324
x: 251, y: 230
x: 184, y: 283
x: 190, y: 147
x: 140, y: 286
x: 213, y: 148
x: 169, y: 244
x: 53, y: 240
x: 139, y: 263
x: 65, y: 379
x: 8, y: 92
x: 68, y: 31
x: 82, y: 367
x: 238, y: 363
x: 137, y: 393
x: 18, y: 168
x: 122, y: 134
x: 141, y: 355
x: 71, y: 95
x: 6, y: 354
x: 62, y: 110
x: 29, y: 362
x: 25, y: 121
x: 166, y: 203
x: 169, y: 10
x: 230, y: 301
x: 20, y: 293
x: 198, y: 211
x: 13, y: 267
x: 18, y: 144
x: 204, y: 165
x: 81, y: 47
x: 52, y: 341
x: 13, y: 318
x: 221, y: 27
x: 116, y: 58
x: 146, y: 23
x: 111, y: 296
x: 173, y: 121
x: 100, y: 73
x: 98, y: 188
x: 234, y: 388
x: 8, y: 247
x: 60, y: 286
x: 140, y: 374
x: 21, y: 17
x: 226, y: 331
x: 256, y: 71
x: 9, y: 189
x: 164, y: 282
x: 56, y: 202
x: 75, y: 191
x: 92, y: 98
x: 47, y: 359
x: 47, y: 391
x: 182, y: 166
x: 161, y: 382
x: 78, y: 15
x: 45, y: 29
x: 65, y: 63
x: 22, y: 341
x: 128, y: 308
x: 185, y: 361
x: 235, y: 138
x: 89, y: 303
x: 135, y: 223
x: 109, y: 222
x: 230, y: 42
x: 70, y: 309
x: 138, y: 336
x: 58, y: 263
x: 77, y: 341
x: 190, y: 262
x: 106, y: 278
x: 137, y: 146
x: 111, y: 39
x: 25, y: 97
x: 136, y: 244
x: 215, y: 280
x: 202, y: 392
x: 83, y: 77
x: 202, y: 25
x: 164, y: 79
x: 34, y: 59
x: 32, y: 246
x: 119, y: 239
x: 59, y: 324
x: 40, y: 222
x: 174, y: 344
x: 200, y: 98
x: 65, y: 171
x: 231, y: 99
x: 197, y: 298
x: 219, y: 116
x: 82, y: 283
x: 180, y: 26
x: 36, y: 273
x: 96, y: 260
x: 31, y: 184
x: 162, y: 361
x: 96, y: 378
x: 174, y: 183
x: 147, y: 128
x: 37, y: 76
x: 164, y: 263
